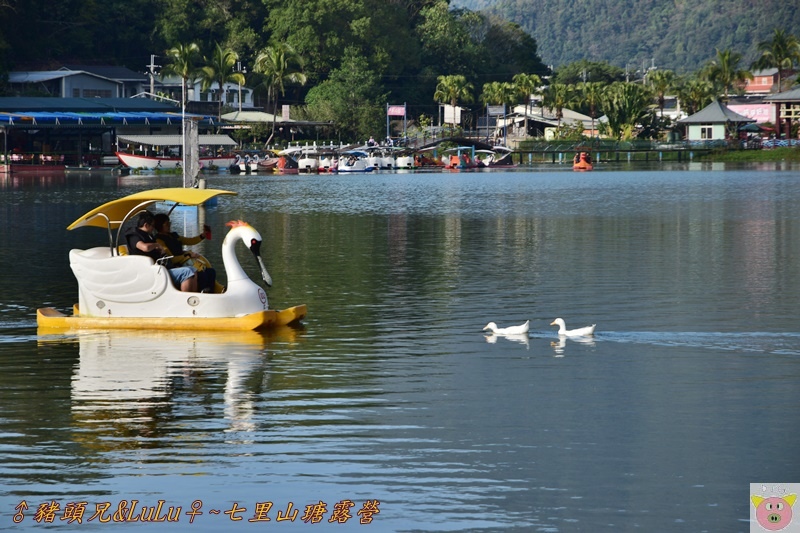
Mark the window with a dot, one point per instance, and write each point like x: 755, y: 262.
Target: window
x: 76, y: 92
x: 706, y: 131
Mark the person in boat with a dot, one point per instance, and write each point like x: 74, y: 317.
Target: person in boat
x: 576, y: 158
x: 142, y: 242
x: 371, y: 141
x: 170, y: 240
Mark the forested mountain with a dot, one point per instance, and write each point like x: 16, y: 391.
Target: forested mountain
x: 675, y: 34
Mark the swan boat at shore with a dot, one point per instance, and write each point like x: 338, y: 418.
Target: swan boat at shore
x: 121, y: 291
x: 582, y: 161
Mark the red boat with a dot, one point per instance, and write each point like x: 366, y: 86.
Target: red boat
x: 582, y: 161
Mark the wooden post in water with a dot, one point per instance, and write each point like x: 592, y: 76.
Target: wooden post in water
x: 192, y: 157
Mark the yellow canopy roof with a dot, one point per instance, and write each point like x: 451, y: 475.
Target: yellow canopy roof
x: 112, y: 214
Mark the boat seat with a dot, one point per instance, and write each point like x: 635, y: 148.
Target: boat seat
x: 122, y: 249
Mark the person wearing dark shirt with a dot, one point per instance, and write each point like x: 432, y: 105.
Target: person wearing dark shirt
x: 206, y: 277
x: 142, y: 242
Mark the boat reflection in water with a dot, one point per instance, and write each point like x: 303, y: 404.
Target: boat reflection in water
x: 128, y: 385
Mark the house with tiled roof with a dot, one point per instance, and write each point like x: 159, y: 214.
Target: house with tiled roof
x: 714, y: 122
x: 763, y: 82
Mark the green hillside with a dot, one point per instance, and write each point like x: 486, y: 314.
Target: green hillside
x: 676, y: 34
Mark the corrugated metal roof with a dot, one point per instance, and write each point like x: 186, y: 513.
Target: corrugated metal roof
x: 175, y: 140
x: 108, y: 71
x: 785, y: 96
x: 47, y: 75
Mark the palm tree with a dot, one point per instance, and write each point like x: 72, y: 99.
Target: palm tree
x: 526, y: 85
x: 497, y: 93
x: 451, y: 89
x: 695, y: 94
x: 591, y: 94
x: 661, y: 82
x: 280, y: 64
x: 725, y: 71
x: 626, y: 105
x: 220, y: 68
x: 781, y: 52
x: 183, y: 63
x: 557, y: 96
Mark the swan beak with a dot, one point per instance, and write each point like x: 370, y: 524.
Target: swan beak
x: 553, y: 324
x: 264, y: 274
x: 255, y: 247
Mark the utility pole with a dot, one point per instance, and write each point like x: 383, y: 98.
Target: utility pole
x: 151, y: 70
x: 244, y: 71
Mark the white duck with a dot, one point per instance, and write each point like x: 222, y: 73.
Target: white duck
x: 512, y: 330
x: 580, y: 332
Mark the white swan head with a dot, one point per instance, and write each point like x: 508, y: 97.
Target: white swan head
x: 252, y: 239
x: 562, y: 329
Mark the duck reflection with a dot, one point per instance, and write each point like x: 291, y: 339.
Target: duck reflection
x: 521, y: 338
x: 129, y: 387
x: 561, y: 344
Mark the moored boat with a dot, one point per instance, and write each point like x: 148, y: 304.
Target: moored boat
x: 582, y: 161
x: 160, y: 162
x: 163, y: 151
x: 354, y: 161
x: 117, y: 290
x: 461, y: 157
x: 497, y: 157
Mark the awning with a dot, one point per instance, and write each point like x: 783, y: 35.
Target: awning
x: 176, y: 140
x: 112, y: 214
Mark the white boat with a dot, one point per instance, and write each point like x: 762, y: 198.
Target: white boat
x: 327, y: 163
x: 306, y: 157
x: 381, y: 158
x: 162, y: 151
x: 498, y: 156
x: 404, y: 161
x: 252, y: 162
x: 160, y: 162
x: 307, y: 162
x: 121, y: 291
x: 354, y: 161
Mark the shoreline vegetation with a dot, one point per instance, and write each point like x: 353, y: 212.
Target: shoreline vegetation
x: 773, y: 154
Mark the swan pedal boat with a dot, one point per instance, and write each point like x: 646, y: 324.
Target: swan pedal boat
x: 583, y: 163
x: 121, y: 291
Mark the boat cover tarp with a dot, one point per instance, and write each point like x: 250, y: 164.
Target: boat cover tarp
x: 66, y: 118
x: 176, y: 140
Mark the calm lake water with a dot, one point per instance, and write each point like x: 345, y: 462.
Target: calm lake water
x: 390, y: 397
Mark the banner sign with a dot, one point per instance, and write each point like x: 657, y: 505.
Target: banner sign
x: 395, y: 110
x: 452, y: 115
x: 495, y: 110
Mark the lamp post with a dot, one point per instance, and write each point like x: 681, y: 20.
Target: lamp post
x: 243, y: 70
x: 151, y: 71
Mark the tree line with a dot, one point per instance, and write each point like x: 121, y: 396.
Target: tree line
x: 354, y: 55
x: 343, y: 61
